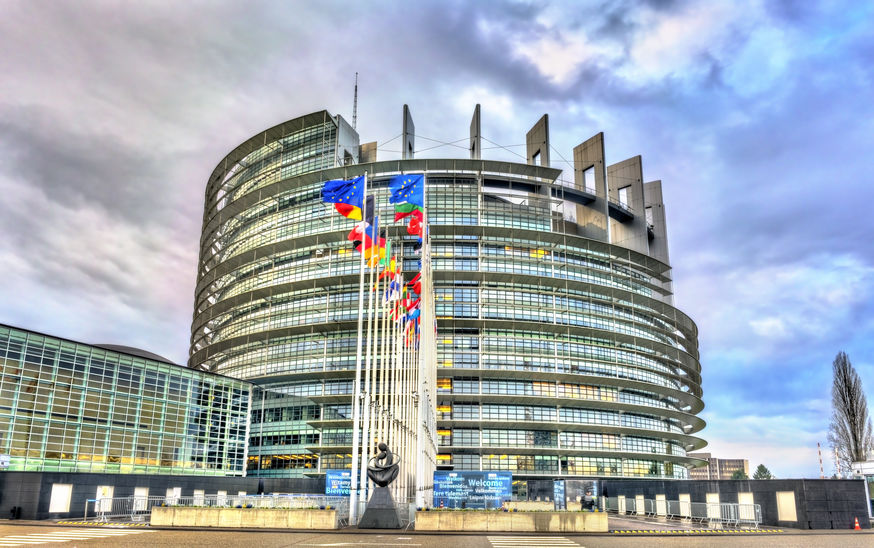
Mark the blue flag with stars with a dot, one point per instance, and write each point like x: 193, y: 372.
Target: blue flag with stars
x: 408, y: 195
x: 347, y: 196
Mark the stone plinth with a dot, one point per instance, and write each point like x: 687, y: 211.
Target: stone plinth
x: 381, y: 512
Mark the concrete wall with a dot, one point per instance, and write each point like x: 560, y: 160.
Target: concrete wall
x: 476, y: 143
x: 367, y: 153
x: 653, y: 200
x: 819, y: 504
x: 347, y: 143
x: 537, y: 142
x: 489, y: 520
x: 408, y: 143
x: 658, y: 239
x: 592, y: 219
x: 256, y: 518
x: 631, y: 234
x: 32, y: 490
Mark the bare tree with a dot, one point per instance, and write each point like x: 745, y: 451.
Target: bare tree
x: 850, y: 428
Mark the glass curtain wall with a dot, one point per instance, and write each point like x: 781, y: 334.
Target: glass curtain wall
x: 70, y: 407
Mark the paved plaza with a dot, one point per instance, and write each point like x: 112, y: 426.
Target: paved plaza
x: 76, y: 536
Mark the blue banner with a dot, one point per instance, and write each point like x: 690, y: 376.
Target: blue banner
x: 472, y: 489
x: 558, y: 495
x: 337, y: 483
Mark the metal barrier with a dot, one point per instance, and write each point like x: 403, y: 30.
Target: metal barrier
x: 715, y: 514
x: 140, y: 508
x: 406, y: 511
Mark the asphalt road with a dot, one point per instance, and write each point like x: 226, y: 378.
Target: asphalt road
x: 71, y: 537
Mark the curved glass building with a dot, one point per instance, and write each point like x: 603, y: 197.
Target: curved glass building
x: 559, y: 351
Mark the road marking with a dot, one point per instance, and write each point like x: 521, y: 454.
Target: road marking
x: 539, y: 541
x: 66, y: 535
x: 693, y: 531
x: 360, y: 544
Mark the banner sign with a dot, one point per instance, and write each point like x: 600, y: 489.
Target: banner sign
x: 472, y: 489
x: 337, y: 483
x: 558, y: 494
x: 4, y: 461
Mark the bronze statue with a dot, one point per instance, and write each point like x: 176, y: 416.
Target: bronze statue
x: 383, y: 468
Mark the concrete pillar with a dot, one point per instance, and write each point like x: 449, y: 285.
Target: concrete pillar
x: 537, y: 142
x: 661, y: 504
x: 685, y: 505
x: 409, y: 136
x: 476, y: 135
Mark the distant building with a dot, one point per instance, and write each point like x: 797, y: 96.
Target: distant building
x: 717, y: 469
x: 72, y: 407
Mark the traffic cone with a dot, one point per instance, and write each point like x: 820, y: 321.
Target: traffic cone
x: 857, y: 528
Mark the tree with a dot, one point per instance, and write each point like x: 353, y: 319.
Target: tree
x: 762, y: 473
x: 850, y: 428
x: 739, y: 474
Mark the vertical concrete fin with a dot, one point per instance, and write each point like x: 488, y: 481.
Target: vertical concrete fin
x: 656, y: 220
x: 589, y: 155
x: 409, y: 135
x: 475, y: 135
x: 537, y: 142
x: 347, y: 143
x: 367, y: 153
x: 625, y: 184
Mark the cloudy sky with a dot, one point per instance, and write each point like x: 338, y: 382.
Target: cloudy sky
x: 757, y: 116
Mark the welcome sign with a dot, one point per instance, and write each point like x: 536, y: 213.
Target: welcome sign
x: 472, y: 489
x: 337, y: 483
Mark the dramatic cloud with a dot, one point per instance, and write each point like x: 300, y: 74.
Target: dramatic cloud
x: 755, y: 115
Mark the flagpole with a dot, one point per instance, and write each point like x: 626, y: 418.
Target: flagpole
x: 377, y: 349
x: 356, y: 389
x: 365, y: 436
x: 427, y: 352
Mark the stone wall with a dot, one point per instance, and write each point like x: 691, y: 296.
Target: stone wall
x: 256, y: 518
x: 31, y: 491
x: 819, y: 503
x: 490, y: 520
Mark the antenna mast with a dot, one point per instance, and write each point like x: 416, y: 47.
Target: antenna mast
x: 355, y: 105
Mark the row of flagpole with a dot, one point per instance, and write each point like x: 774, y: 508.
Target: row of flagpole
x: 397, y: 402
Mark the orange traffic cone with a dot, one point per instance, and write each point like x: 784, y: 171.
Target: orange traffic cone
x: 857, y: 528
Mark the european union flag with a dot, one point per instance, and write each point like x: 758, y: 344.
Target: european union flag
x: 347, y: 196
x: 408, y: 195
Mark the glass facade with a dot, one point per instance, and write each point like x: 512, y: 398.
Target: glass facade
x: 558, y: 354
x: 71, y: 407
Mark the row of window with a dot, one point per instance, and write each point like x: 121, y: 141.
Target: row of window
x: 537, y: 413
x: 68, y: 407
x: 570, y: 465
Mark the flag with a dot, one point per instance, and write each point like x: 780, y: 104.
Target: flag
x: 364, y: 239
x: 388, y: 260
x: 389, y: 271
x: 416, y: 283
x: 393, y: 292
x: 347, y: 196
x: 415, y: 227
x: 408, y: 195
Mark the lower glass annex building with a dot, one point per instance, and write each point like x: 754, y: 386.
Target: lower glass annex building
x: 67, y: 406
x: 559, y: 350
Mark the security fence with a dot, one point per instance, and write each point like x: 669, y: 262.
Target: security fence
x: 406, y: 511
x: 714, y: 513
x: 140, y: 508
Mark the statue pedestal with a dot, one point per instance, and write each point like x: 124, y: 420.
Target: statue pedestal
x: 381, y: 512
